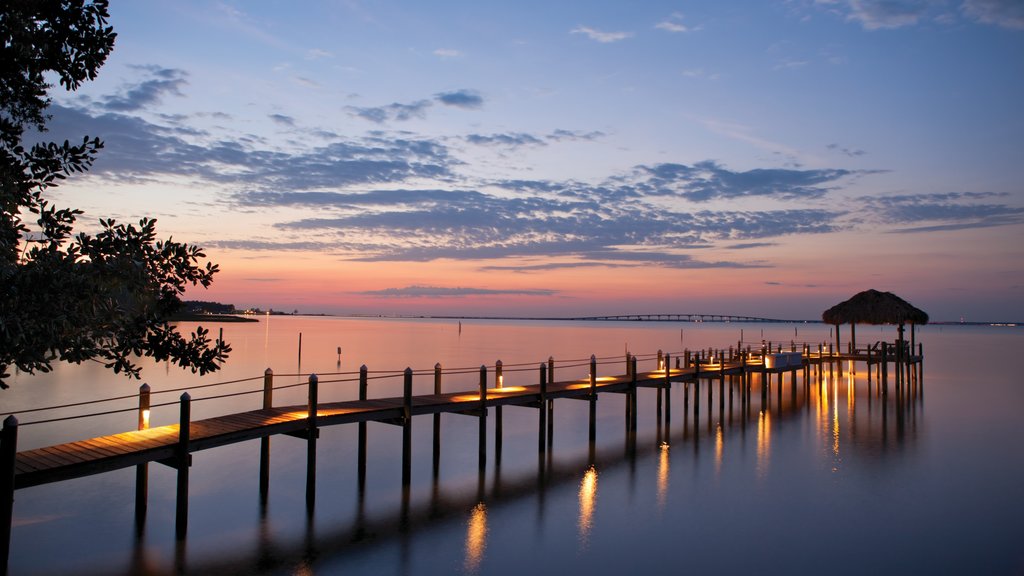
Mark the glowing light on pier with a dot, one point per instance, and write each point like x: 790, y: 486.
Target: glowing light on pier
x: 588, y: 498
x: 145, y: 419
x: 476, y: 538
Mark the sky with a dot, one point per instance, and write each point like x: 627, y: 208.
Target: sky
x: 569, y: 158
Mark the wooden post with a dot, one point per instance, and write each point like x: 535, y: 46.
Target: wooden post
x: 499, y: 381
x: 551, y: 369
x: 8, y: 458
x: 593, y: 375
x: 311, y: 434
x: 437, y: 423
x: 668, y: 389
x: 407, y: 428
x: 268, y: 402
x: 482, y: 461
x: 142, y: 470
x: 661, y: 358
x: 182, y: 464
x: 543, y: 424
x: 361, y: 455
x: 631, y: 403
x: 628, y: 364
x: 593, y: 401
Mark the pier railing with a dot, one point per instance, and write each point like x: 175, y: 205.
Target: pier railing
x: 173, y: 444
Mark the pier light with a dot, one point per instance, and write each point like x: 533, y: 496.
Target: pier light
x: 506, y: 389
x: 145, y: 419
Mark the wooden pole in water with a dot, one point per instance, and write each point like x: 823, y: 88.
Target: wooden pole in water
x: 8, y: 459
x: 361, y: 455
x: 593, y: 402
x: 668, y: 389
x: 631, y: 402
x: 182, y: 462
x: 407, y: 428
x: 311, y: 434
x: 498, y: 383
x: 437, y: 423
x: 482, y: 460
x: 268, y: 402
x: 142, y: 470
x: 543, y: 423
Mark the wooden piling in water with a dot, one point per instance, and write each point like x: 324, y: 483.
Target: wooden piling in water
x: 8, y: 456
x: 482, y: 433
x: 182, y: 461
x: 436, y: 461
x: 311, y: 436
x: 142, y: 470
x: 407, y: 427
x: 498, y: 383
x: 542, y: 409
x: 268, y: 402
x: 361, y: 453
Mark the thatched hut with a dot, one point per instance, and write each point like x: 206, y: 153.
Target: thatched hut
x: 874, y: 307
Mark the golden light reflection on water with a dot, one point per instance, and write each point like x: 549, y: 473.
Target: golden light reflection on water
x: 764, y: 441
x: 663, y: 474
x: 588, y: 498
x: 476, y: 538
x: 719, y: 448
x: 835, y: 422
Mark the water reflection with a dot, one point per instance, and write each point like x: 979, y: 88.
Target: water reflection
x: 476, y: 538
x: 764, y: 440
x: 663, y: 474
x: 588, y: 498
x: 719, y: 448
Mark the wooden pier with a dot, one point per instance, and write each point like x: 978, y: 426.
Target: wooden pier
x: 173, y: 445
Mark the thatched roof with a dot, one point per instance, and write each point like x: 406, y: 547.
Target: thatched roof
x: 874, y: 307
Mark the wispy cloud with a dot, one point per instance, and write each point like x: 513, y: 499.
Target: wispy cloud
x: 674, y: 24
x: 851, y: 152
x: 282, y: 119
x: 395, y: 111
x: 599, y: 35
x: 917, y: 213
x: 1005, y: 13
x: 447, y: 53
x: 445, y: 292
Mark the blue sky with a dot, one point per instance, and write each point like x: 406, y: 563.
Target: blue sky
x: 763, y: 158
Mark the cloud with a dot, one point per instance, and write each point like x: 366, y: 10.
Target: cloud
x: 599, y: 36
x: 672, y: 24
x: 853, y: 153
x: 943, y: 211
x: 511, y: 139
x: 877, y: 14
x: 395, y: 111
x: 1005, y: 13
x: 134, y: 97
x: 282, y: 119
x: 460, y: 98
x: 443, y: 292
x: 317, y: 54
x: 447, y: 53
x: 708, y: 180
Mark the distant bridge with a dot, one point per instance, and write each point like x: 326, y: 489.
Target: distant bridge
x: 627, y: 318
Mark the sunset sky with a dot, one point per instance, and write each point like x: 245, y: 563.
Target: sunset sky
x: 570, y: 158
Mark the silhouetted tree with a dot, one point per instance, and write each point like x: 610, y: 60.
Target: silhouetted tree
x: 67, y: 296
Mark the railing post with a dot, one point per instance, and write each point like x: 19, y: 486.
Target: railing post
x: 628, y: 364
x: 437, y: 378
x: 593, y: 375
x: 182, y: 457
x: 8, y: 458
x: 311, y: 434
x: 268, y: 388
x: 499, y: 381
x: 661, y: 358
x: 551, y: 369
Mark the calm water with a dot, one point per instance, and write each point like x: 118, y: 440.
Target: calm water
x: 837, y: 479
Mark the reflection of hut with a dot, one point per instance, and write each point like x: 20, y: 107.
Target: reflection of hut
x: 874, y: 307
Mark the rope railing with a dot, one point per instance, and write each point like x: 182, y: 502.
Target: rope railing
x: 346, y: 377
